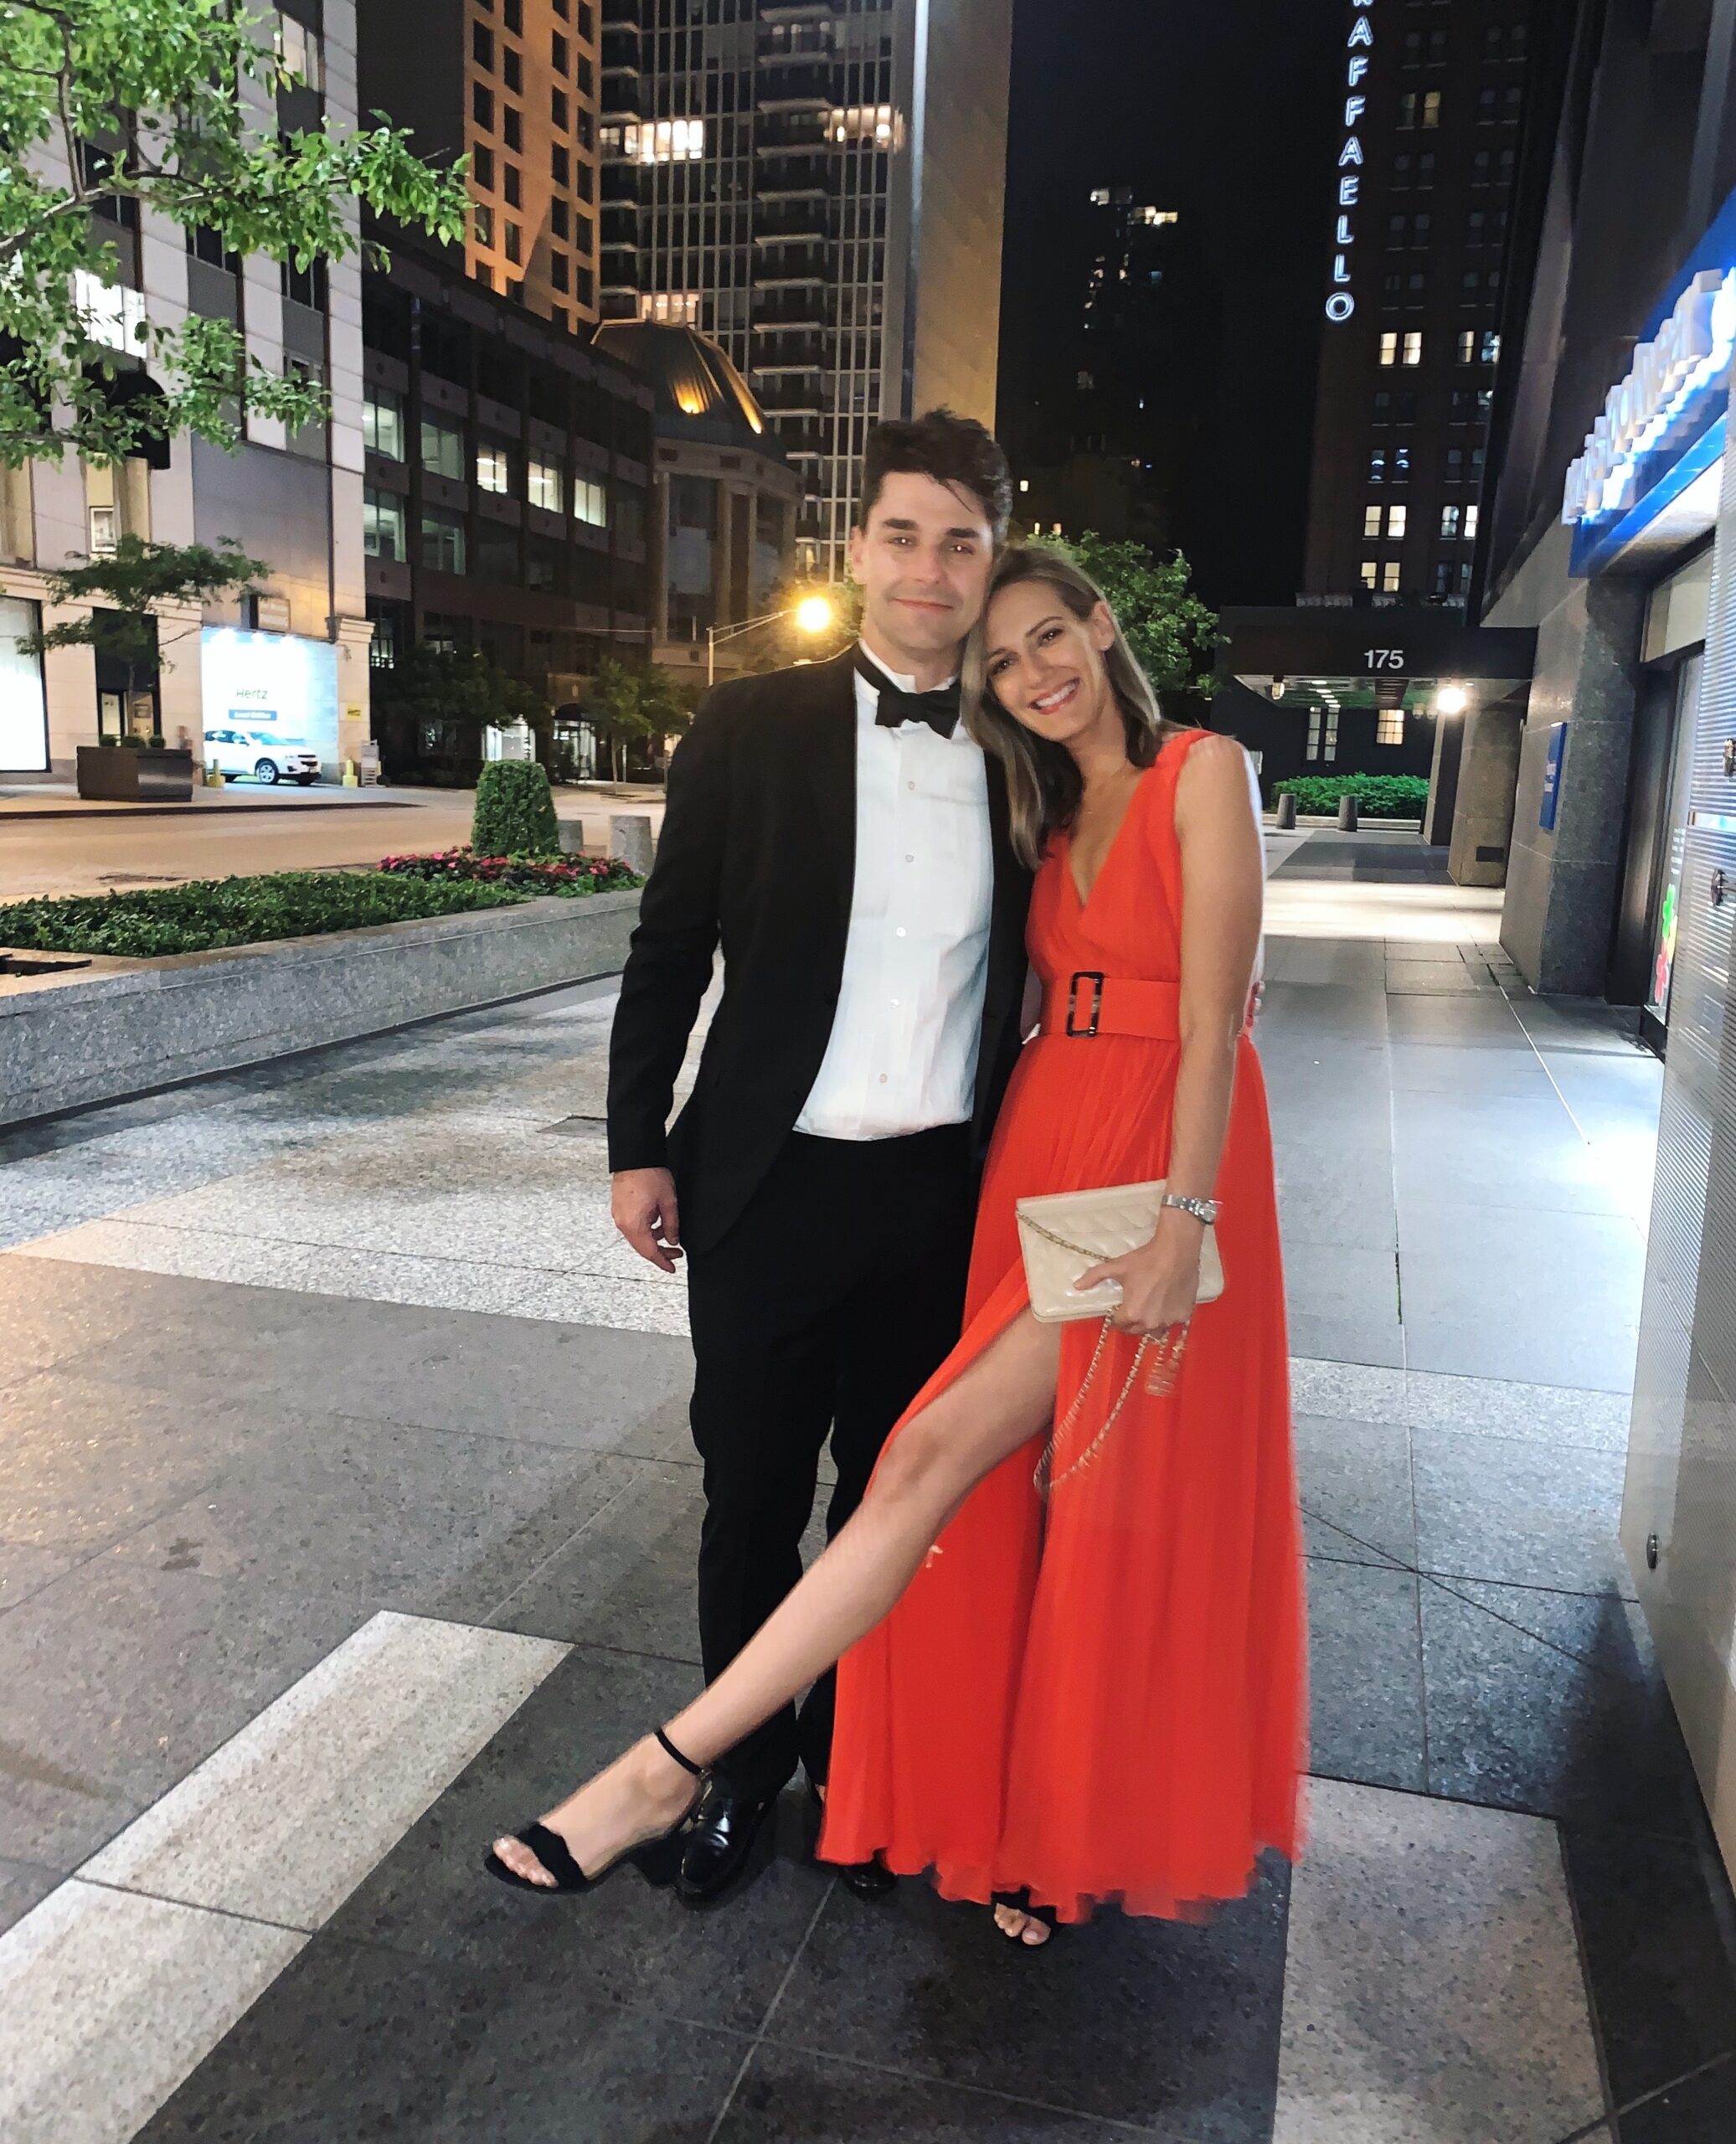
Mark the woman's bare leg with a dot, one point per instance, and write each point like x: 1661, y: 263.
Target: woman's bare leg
x: 1003, y: 1400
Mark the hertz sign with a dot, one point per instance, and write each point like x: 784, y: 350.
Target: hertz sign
x: 1359, y: 47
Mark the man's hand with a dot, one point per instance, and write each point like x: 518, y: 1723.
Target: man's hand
x: 642, y: 1203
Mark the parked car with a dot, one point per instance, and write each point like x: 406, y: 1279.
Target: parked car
x: 269, y: 760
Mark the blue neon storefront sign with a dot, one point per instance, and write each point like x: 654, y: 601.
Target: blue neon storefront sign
x: 1664, y: 423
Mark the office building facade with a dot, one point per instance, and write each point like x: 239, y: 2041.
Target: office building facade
x: 289, y: 668
x: 512, y: 85
x: 1612, y: 534
x: 1416, y: 207
x: 506, y: 499
x: 818, y: 188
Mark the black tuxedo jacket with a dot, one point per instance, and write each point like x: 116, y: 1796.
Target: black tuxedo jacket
x: 759, y: 853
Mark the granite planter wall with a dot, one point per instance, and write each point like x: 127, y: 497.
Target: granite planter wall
x: 80, y: 1040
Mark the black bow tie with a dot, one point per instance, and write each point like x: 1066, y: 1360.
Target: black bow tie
x: 939, y: 708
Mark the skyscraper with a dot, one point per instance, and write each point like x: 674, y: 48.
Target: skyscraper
x: 512, y: 84
x: 819, y: 187
x: 1417, y: 207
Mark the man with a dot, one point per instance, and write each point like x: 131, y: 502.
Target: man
x: 835, y: 829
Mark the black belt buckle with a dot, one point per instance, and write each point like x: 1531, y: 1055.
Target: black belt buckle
x: 1095, y: 977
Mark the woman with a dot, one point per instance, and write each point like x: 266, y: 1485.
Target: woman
x: 1097, y: 1694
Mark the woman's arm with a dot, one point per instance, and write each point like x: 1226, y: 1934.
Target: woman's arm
x: 1222, y: 896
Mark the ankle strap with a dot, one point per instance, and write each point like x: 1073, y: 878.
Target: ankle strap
x: 669, y: 1750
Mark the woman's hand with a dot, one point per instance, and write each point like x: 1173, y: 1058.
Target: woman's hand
x: 1159, y: 1281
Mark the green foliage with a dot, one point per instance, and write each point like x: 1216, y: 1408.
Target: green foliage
x: 166, y: 104
x: 458, y: 685
x: 626, y: 705
x: 157, y: 921
x: 1378, y: 795
x: 128, y: 582
x: 1173, y: 636
x: 515, y: 811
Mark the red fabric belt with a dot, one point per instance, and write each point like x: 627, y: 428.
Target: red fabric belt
x: 1087, y: 1004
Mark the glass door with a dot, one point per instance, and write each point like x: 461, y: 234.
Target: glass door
x: 1666, y: 896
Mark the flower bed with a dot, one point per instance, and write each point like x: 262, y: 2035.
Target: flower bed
x: 530, y: 874
x: 156, y: 922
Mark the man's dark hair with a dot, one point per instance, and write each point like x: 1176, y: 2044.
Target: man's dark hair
x: 953, y: 450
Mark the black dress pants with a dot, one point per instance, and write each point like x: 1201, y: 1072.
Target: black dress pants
x: 827, y: 1305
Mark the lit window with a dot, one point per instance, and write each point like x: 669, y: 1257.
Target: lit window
x: 1371, y: 521
x: 1389, y: 725
x: 298, y: 48
x: 878, y: 123
x: 1389, y: 347
x: 1149, y: 215
x: 1370, y: 574
x: 1377, y: 465
x: 1389, y: 578
x: 1470, y: 521
x: 442, y: 449
x: 494, y: 469
x: 664, y: 141
x: 1431, y: 108
x: 1450, y: 520
x: 670, y: 308
x: 1396, y: 516
x: 1413, y: 346
x: 1489, y: 349
x: 1401, y: 464
x: 381, y: 524
x: 1467, y: 346
x: 383, y: 423
x: 590, y: 502
x: 548, y: 488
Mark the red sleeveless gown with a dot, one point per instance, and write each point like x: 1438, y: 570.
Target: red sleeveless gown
x: 1102, y: 1698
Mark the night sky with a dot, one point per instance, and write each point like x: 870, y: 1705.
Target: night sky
x: 1222, y: 109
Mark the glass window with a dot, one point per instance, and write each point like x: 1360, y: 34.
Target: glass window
x: 1371, y: 521
x: 1371, y: 573
x: 512, y: 71
x: 298, y: 48
x: 558, y: 52
x: 442, y: 539
x: 547, y: 488
x: 1489, y: 349
x: 494, y: 468
x: 513, y: 13
x: 560, y: 167
x: 481, y: 105
x: 515, y: 246
x: 1431, y: 108
x: 1389, y: 725
x: 513, y: 190
x: 590, y: 502
x: 443, y: 448
x: 1449, y: 518
x: 1389, y: 347
x: 1401, y: 464
x: 559, y: 112
x: 1377, y: 465
x: 558, y: 270
x: 1389, y: 578
x: 1414, y: 347
x: 383, y: 524
x: 1470, y: 520
x: 383, y: 422
x: 482, y: 223
x: 481, y: 168
x: 482, y: 45
x: 511, y: 128
x: 560, y: 219
x: 1396, y: 517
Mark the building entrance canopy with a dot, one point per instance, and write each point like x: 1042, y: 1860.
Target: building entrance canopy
x: 1351, y: 656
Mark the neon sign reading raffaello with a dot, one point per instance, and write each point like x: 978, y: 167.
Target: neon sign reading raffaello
x: 1340, y: 305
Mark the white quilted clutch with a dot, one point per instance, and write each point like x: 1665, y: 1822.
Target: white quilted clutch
x: 1065, y: 1233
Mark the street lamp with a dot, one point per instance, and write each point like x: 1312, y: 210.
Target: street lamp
x: 813, y: 614
x: 1451, y: 700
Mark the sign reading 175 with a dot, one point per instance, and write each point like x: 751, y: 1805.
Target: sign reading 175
x: 1382, y: 658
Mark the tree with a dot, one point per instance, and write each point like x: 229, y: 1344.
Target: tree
x: 1172, y: 634
x: 460, y: 685
x: 127, y: 586
x: 133, y: 105
x: 627, y: 706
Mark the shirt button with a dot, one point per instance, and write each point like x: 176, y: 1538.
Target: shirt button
x: 909, y: 860
x: 883, y: 1079
x: 910, y: 784
x: 901, y: 930
x: 894, y: 1001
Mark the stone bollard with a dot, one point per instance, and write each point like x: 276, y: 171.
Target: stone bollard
x: 629, y: 841
x: 1287, y: 821
x: 1347, y: 815
x: 572, y: 837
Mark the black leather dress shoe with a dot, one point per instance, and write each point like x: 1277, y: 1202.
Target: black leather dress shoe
x: 868, y: 1879
x: 724, y: 1829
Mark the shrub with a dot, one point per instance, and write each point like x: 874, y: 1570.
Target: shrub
x: 157, y: 921
x: 533, y: 874
x: 515, y: 811
x: 1378, y: 795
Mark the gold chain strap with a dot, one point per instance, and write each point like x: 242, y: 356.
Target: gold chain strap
x: 1060, y: 1243
x: 1042, y: 1478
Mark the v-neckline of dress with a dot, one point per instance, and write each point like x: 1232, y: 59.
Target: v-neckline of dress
x: 1083, y: 901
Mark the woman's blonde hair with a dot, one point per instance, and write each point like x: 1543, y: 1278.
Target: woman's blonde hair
x: 1043, y: 782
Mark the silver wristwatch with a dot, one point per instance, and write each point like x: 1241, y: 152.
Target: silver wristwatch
x: 1203, y: 1209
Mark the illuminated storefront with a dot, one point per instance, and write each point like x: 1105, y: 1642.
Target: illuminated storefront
x: 277, y: 687
x: 23, y: 705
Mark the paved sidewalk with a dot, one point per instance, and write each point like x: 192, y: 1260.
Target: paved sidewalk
x: 346, y: 1509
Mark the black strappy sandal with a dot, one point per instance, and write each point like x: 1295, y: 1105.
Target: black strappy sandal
x: 1020, y: 1902
x: 556, y: 1856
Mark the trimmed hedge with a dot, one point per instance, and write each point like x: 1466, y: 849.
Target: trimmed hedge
x: 532, y: 875
x: 153, y: 923
x: 1378, y: 795
x: 515, y: 811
